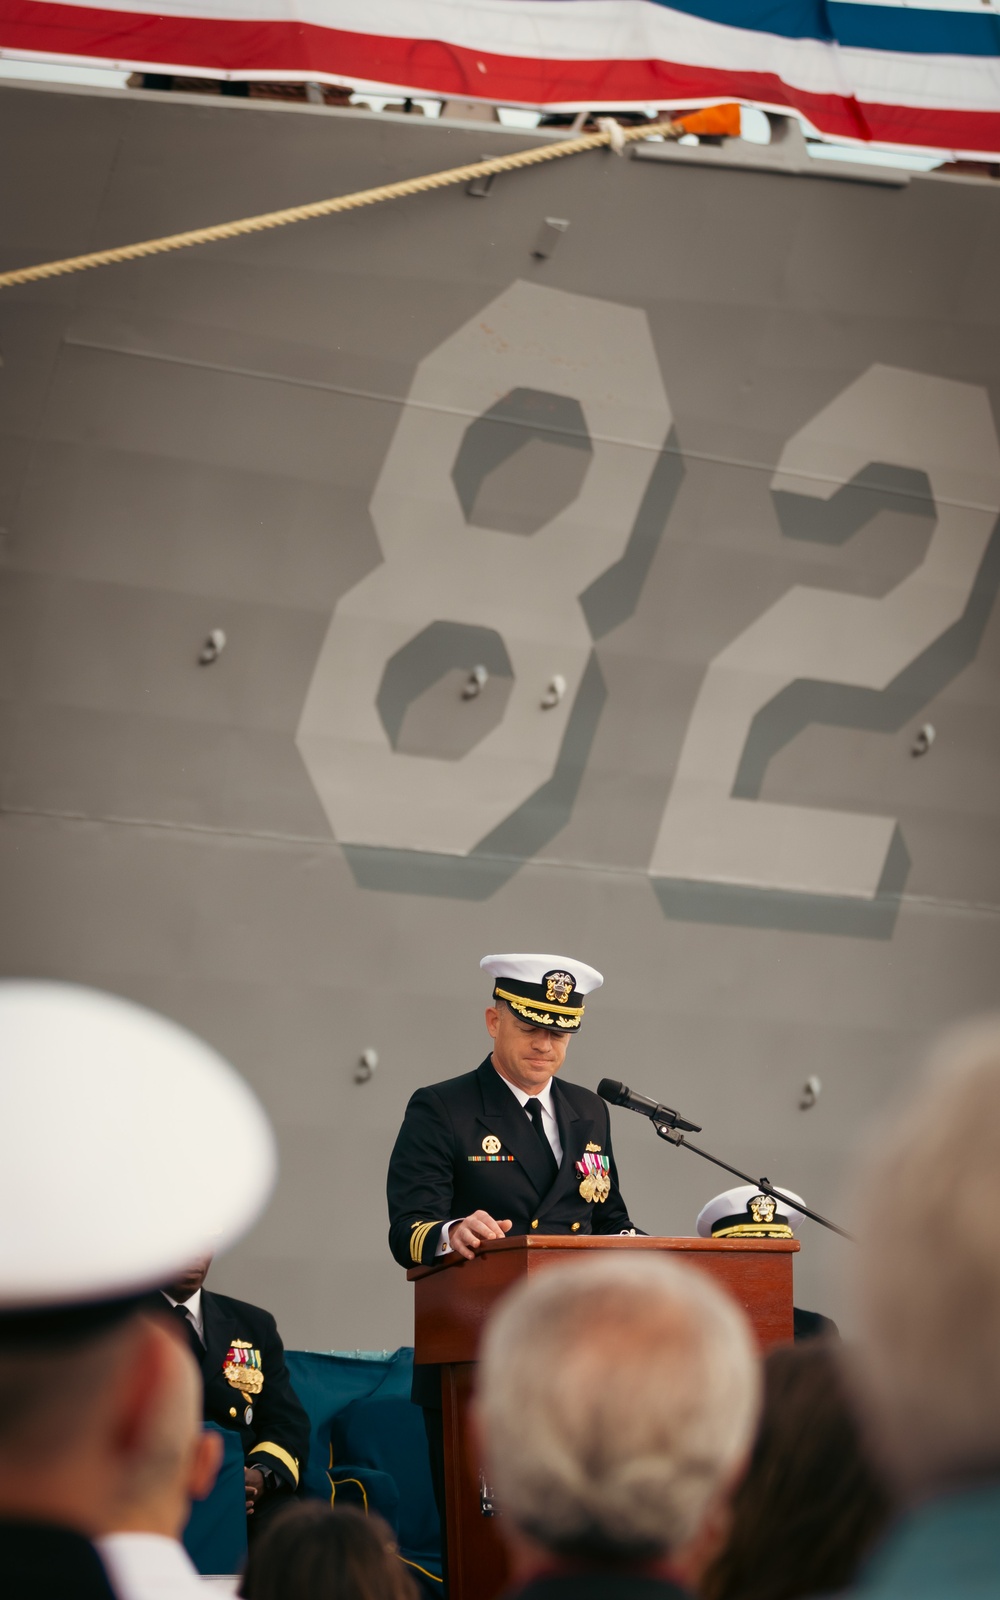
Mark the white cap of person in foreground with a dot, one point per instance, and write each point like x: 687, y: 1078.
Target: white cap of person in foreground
x: 929, y: 1302
x: 112, y: 1177
x: 616, y: 1405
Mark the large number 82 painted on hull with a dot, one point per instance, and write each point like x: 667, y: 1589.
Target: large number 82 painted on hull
x: 591, y: 367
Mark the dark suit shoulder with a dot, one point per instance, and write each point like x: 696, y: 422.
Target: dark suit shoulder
x: 813, y: 1325
x: 239, y: 1310
x: 458, y: 1094
x: 454, y: 1093
x: 42, y: 1562
x: 584, y: 1101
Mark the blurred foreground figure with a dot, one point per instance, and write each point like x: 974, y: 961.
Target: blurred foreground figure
x: 311, y: 1552
x: 616, y: 1406
x: 810, y: 1507
x: 143, y: 1555
x: 97, y: 1099
x: 929, y: 1293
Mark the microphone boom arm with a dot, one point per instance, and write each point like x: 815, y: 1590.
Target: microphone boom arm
x: 666, y: 1130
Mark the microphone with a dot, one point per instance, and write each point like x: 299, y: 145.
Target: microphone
x: 618, y: 1095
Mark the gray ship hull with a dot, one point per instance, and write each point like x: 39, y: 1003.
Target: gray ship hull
x: 721, y: 465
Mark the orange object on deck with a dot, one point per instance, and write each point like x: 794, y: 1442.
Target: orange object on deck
x: 712, y: 119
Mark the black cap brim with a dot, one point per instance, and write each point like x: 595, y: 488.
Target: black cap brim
x: 41, y: 1328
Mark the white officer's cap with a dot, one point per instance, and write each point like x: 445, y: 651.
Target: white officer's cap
x: 746, y: 1213
x: 128, y: 1149
x: 546, y: 991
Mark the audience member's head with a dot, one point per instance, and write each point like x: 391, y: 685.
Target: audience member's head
x: 929, y: 1275
x: 102, y: 1433
x: 177, y: 1460
x: 312, y: 1552
x: 616, y: 1403
x: 810, y: 1506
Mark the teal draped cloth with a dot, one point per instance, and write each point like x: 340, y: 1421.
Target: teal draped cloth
x: 946, y: 1549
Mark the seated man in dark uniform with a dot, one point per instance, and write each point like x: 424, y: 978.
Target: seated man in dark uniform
x: 508, y: 1148
x: 247, y: 1387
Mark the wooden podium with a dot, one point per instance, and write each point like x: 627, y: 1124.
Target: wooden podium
x: 452, y: 1301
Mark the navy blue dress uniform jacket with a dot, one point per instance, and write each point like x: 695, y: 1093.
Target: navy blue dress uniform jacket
x: 277, y: 1436
x: 440, y: 1170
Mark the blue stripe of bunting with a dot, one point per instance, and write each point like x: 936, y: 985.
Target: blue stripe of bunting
x: 916, y: 32
x: 907, y: 29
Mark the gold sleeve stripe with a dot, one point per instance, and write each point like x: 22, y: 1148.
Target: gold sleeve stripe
x: 417, y: 1238
x: 282, y: 1455
x: 540, y: 1005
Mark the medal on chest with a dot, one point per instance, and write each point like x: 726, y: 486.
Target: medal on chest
x: 596, y: 1182
x: 242, y: 1369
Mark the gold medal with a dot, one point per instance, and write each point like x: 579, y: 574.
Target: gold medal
x: 602, y: 1187
x: 588, y: 1188
x: 248, y: 1380
x: 491, y: 1145
x: 242, y: 1369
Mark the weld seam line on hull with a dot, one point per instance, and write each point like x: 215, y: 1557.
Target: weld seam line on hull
x: 682, y: 452
x: 334, y: 846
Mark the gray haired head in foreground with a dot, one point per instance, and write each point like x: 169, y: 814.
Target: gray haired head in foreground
x: 615, y: 1398
x: 929, y: 1273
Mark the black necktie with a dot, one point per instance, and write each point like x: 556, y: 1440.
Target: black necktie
x: 534, y: 1110
x: 190, y: 1331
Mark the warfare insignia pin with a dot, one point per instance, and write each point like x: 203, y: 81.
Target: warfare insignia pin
x: 592, y: 1149
x: 491, y: 1145
x: 558, y: 987
x: 762, y: 1208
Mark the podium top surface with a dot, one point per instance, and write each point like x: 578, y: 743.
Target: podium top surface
x: 615, y: 1241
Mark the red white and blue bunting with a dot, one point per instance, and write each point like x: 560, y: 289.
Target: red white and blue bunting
x: 906, y: 72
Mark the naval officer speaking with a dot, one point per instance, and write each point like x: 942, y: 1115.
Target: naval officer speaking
x: 509, y: 1148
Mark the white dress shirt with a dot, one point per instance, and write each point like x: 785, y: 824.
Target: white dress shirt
x: 193, y: 1309
x: 550, y: 1125
x: 549, y: 1120
x: 149, y: 1566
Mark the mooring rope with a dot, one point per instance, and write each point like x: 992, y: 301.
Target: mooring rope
x: 610, y: 133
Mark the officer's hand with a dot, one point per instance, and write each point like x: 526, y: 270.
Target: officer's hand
x: 466, y: 1236
x: 253, y: 1480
